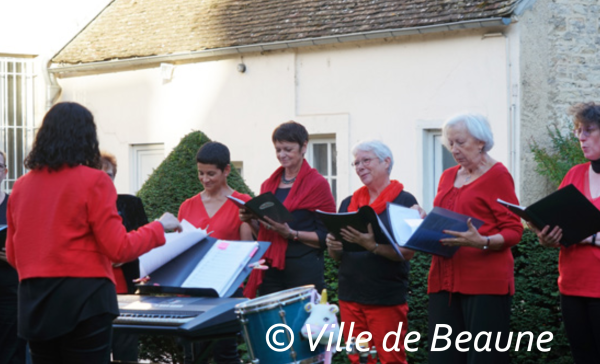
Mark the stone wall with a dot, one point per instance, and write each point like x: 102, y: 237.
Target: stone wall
x: 560, y: 66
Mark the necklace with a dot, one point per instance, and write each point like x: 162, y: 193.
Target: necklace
x: 287, y: 181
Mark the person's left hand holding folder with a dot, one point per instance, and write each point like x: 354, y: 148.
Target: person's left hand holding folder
x: 471, y: 237
x: 282, y: 229
x: 248, y: 217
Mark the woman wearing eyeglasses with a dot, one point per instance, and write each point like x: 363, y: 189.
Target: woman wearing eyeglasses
x: 373, y: 284
x: 579, y: 264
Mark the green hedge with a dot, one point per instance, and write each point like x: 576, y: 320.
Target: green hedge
x: 535, y: 305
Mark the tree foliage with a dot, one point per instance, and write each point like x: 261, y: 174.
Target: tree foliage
x: 555, y: 162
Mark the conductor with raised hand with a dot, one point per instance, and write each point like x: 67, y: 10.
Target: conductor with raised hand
x: 64, y: 232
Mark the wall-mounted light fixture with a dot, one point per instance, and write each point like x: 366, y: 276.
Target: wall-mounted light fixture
x: 166, y: 71
x: 241, y: 68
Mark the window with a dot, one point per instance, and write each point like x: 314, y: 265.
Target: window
x: 239, y: 165
x: 322, y: 156
x: 145, y: 158
x: 16, y: 114
x: 436, y: 159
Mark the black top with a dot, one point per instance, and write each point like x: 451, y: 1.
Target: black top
x: 304, y: 220
x: 134, y: 216
x: 9, y: 280
x: 52, y: 307
x: 371, y: 279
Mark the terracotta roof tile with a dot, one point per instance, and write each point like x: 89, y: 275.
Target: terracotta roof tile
x: 136, y: 28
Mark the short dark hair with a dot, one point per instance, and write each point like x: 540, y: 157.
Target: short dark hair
x: 214, y: 153
x: 292, y: 132
x: 585, y: 113
x: 67, y: 137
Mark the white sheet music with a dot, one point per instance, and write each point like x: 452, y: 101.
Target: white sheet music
x: 404, y: 222
x: 221, y: 265
x: 176, y: 244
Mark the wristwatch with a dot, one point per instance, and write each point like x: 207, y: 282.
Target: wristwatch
x: 487, y: 244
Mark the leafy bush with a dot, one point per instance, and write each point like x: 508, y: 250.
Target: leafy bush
x: 174, y: 181
x: 564, y: 154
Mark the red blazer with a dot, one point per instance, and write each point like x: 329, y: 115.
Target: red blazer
x: 472, y: 270
x: 579, y: 264
x: 65, y: 224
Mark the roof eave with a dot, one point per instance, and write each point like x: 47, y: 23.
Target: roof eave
x: 112, y: 65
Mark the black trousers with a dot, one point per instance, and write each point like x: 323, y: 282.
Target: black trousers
x: 89, y: 343
x: 472, y: 313
x: 125, y: 346
x: 308, y: 269
x: 581, y: 316
x: 12, y: 348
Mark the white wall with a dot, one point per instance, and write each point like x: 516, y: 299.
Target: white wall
x: 390, y: 90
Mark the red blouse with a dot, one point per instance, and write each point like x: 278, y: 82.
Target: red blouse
x: 225, y: 223
x: 472, y: 270
x: 579, y: 264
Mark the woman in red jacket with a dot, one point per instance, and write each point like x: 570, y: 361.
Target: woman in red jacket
x: 472, y: 291
x: 64, y: 232
x: 579, y: 264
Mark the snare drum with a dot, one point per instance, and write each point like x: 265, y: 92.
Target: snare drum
x: 257, y: 316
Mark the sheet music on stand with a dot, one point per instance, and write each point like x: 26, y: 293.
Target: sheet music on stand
x: 221, y: 265
x: 176, y: 244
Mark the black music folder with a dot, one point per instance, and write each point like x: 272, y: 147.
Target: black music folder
x: 265, y: 205
x: 335, y: 222
x: 568, y: 208
x: 3, y: 242
x: 177, y: 276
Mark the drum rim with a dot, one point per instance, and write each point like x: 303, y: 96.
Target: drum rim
x: 267, y: 302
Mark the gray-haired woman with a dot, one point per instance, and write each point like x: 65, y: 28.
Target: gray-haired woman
x: 373, y: 284
x: 472, y: 290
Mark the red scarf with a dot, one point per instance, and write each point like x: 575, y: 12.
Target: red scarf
x: 310, y: 191
x: 361, y: 197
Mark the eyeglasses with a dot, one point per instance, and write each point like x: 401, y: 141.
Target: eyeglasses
x: 586, y: 132
x: 365, y: 162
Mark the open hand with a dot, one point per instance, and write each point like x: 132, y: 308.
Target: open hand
x: 471, y: 237
x: 366, y: 240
